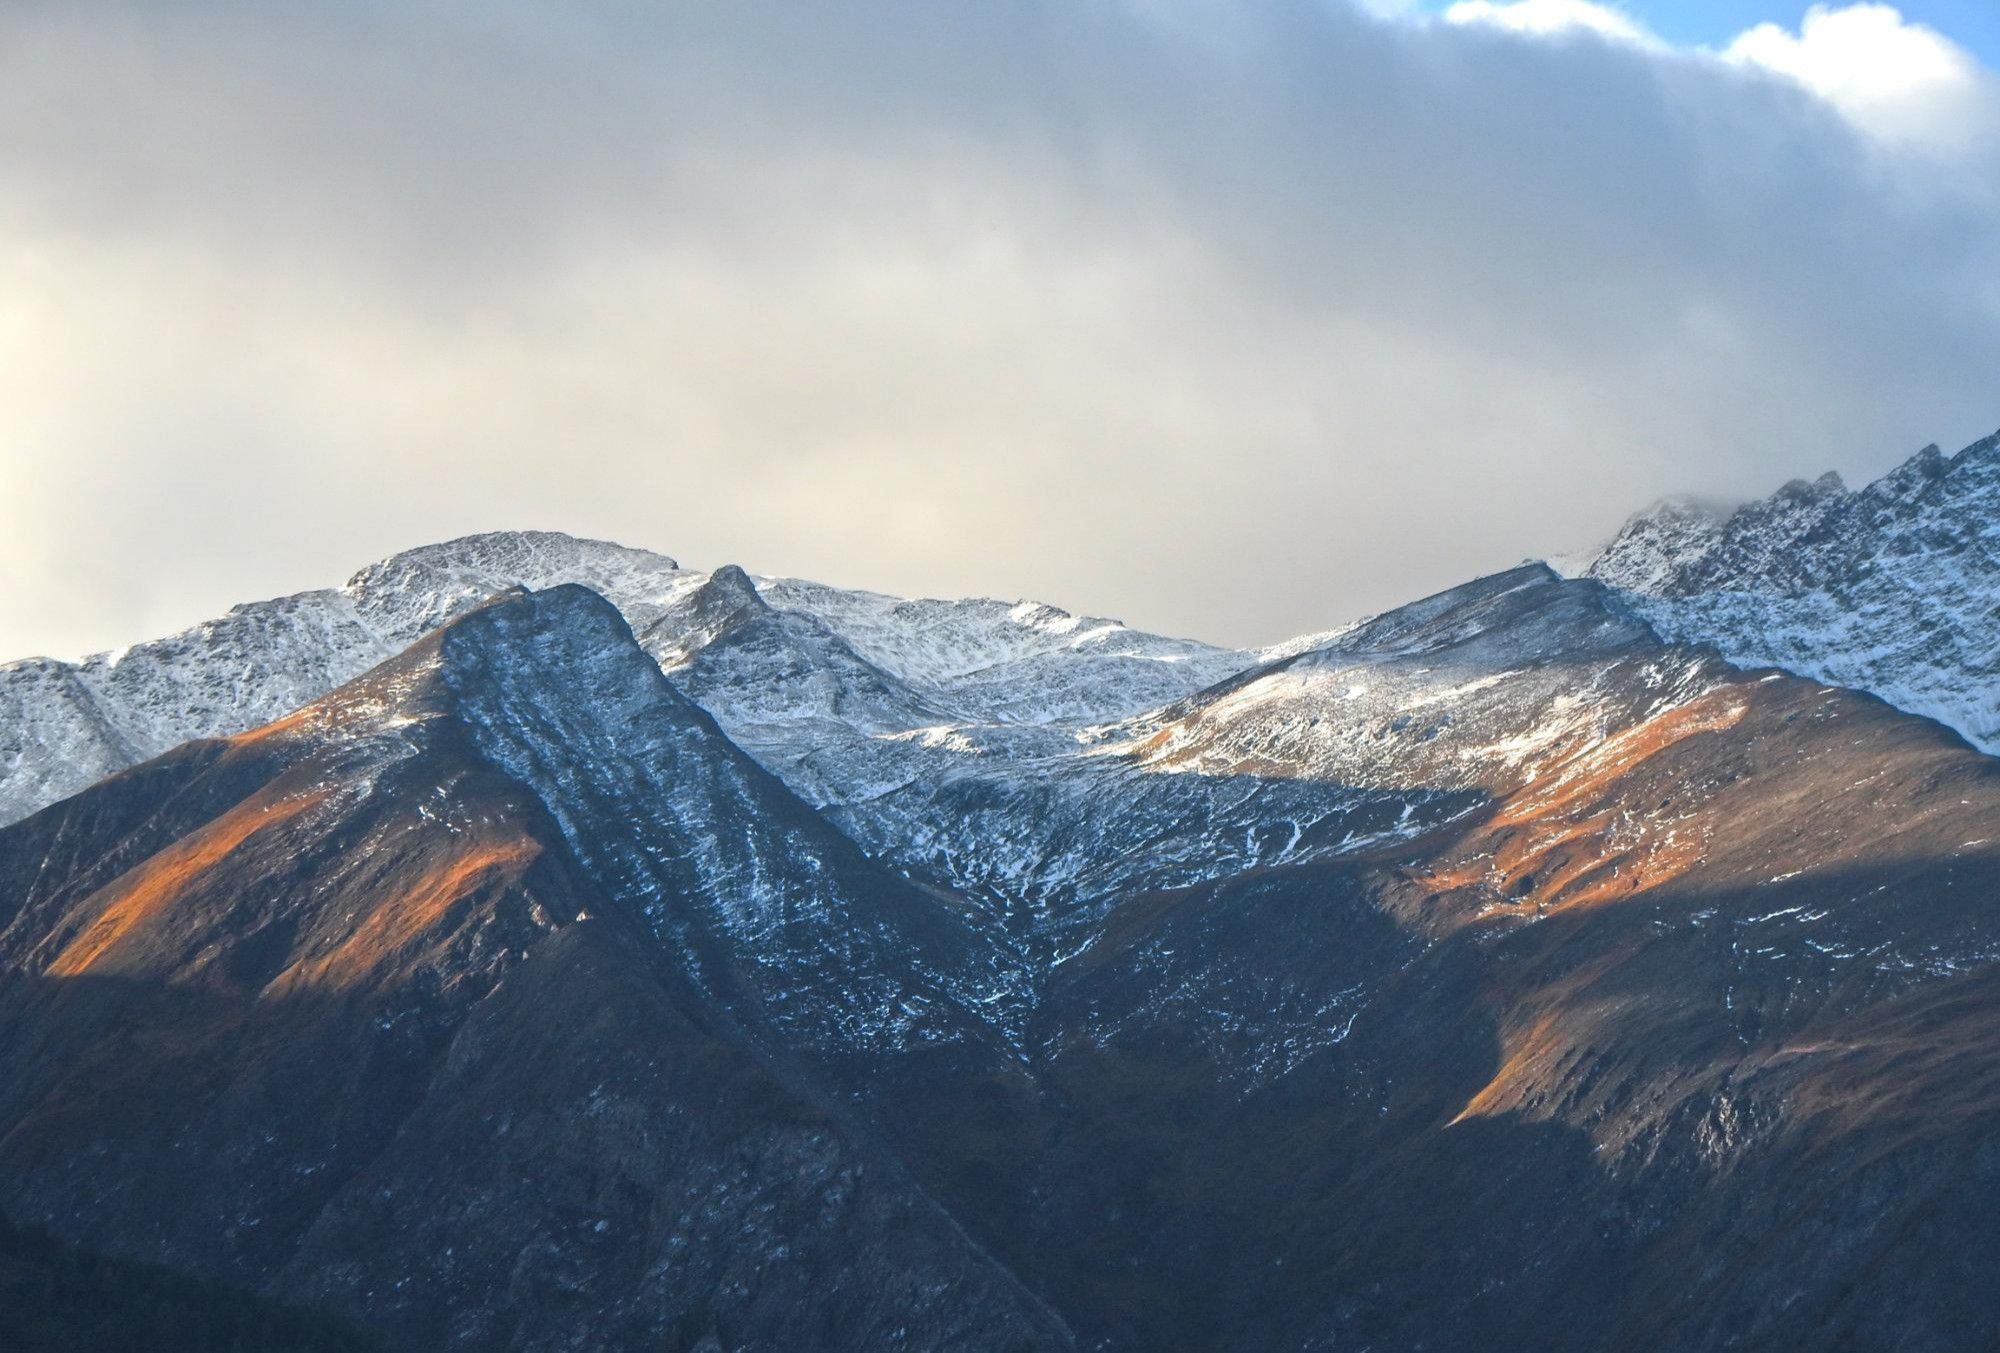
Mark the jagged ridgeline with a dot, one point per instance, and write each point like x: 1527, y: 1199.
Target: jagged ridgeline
x: 1889, y: 588
x: 534, y: 944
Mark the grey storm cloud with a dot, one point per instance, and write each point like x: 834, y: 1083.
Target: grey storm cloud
x: 1235, y: 319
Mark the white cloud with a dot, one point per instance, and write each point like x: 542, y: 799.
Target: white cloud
x: 1234, y: 317
x: 1551, y: 17
x: 1898, y: 80
x: 1904, y: 85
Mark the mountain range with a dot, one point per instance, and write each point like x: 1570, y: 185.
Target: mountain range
x: 536, y: 944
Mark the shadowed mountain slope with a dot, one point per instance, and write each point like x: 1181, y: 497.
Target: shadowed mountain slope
x: 55, y: 1298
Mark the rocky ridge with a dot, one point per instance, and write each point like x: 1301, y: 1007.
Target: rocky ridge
x: 876, y: 663
x: 1893, y: 588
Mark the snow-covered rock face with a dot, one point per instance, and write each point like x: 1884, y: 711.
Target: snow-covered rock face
x: 669, y: 817
x: 410, y: 594
x: 1458, y: 692
x: 851, y: 661
x: 63, y: 726
x: 1048, y: 762
x: 1393, y: 729
x: 1893, y: 588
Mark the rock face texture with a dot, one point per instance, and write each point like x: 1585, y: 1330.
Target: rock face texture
x: 1893, y: 588
x: 756, y: 969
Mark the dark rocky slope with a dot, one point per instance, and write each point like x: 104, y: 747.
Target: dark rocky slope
x: 56, y: 1298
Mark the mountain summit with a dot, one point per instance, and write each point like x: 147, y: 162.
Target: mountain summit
x: 65, y: 725
x: 1893, y: 588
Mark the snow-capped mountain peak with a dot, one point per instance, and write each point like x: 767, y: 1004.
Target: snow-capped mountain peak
x: 854, y: 663
x: 1893, y: 588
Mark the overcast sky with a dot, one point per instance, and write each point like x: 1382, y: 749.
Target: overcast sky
x: 1233, y: 318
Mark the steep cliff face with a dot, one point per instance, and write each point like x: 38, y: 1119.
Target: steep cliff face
x: 1893, y: 588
